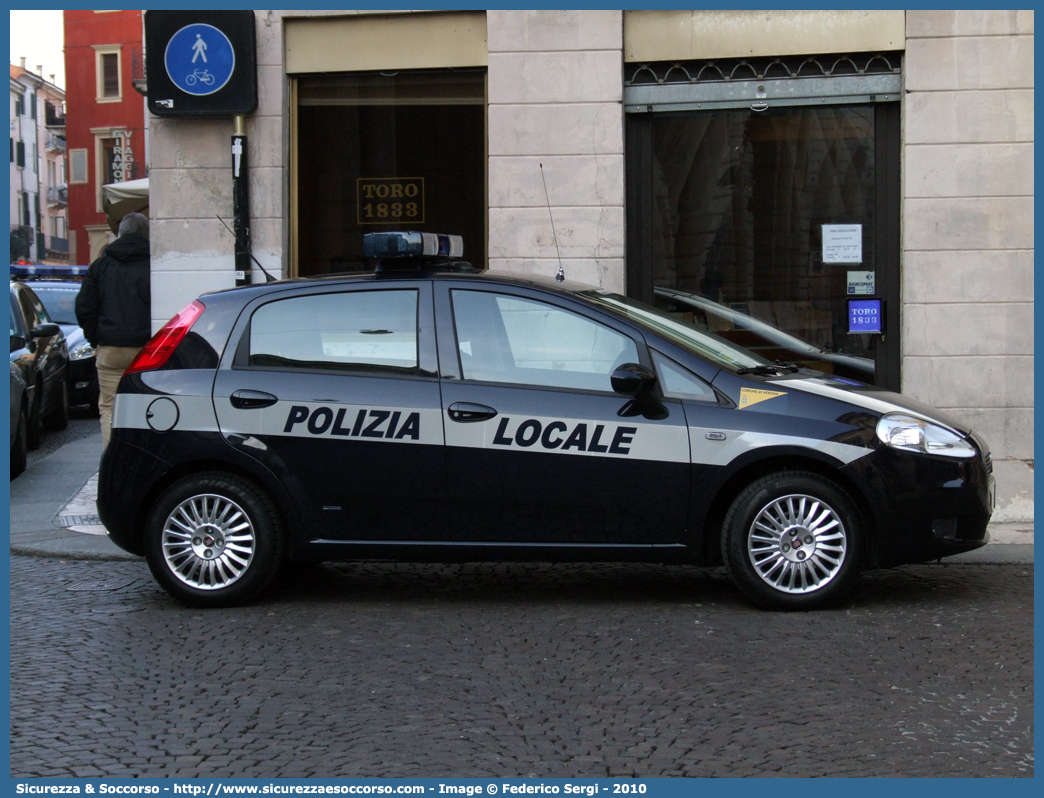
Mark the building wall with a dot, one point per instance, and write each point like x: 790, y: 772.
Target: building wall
x: 84, y: 30
x: 968, y: 220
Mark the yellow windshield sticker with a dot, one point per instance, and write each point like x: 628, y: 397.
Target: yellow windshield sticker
x: 751, y: 396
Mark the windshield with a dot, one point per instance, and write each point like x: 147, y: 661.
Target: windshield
x: 722, y: 319
x: 60, y: 301
x: 700, y: 342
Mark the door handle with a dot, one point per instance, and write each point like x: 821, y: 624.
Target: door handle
x: 251, y: 400
x: 466, y: 411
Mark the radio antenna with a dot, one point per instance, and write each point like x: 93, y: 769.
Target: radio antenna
x: 561, y: 272
x: 268, y: 278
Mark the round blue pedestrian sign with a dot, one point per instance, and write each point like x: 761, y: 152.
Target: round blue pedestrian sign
x: 199, y: 59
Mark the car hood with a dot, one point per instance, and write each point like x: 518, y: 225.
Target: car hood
x: 870, y: 398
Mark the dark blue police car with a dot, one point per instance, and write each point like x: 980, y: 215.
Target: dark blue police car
x: 430, y: 412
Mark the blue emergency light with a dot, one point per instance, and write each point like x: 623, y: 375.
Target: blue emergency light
x: 411, y: 244
x: 42, y: 270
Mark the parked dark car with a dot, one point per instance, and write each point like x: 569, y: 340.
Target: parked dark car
x: 59, y: 297
x: 430, y: 412
x: 39, y: 351
x: 19, y: 421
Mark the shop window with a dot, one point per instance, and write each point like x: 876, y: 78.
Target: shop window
x: 757, y: 217
x: 383, y: 151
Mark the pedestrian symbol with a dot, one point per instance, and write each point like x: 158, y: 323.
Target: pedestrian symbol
x: 199, y: 59
x: 199, y: 48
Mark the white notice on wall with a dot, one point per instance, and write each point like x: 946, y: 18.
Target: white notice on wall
x: 842, y: 243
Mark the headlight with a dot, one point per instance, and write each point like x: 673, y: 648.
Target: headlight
x: 917, y: 435
x: 82, y: 352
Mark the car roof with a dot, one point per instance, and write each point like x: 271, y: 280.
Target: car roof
x: 544, y: 282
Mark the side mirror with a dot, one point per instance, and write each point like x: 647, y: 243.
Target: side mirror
x: 638, y: 382
x: 17, y: 342
x: 631, y: 379
x: 46, y: 331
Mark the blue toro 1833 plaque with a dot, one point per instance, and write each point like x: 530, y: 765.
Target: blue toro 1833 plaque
x: 865, y: 315
x: 199, y: 59
x: 201, y: 63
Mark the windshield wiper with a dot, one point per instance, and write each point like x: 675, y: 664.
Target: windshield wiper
x: 773, y: 369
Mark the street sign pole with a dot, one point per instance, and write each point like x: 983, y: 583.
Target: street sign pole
x: 240, y: 201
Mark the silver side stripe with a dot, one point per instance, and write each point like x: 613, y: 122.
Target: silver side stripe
x: 137, y: 410
x: 337, y: 422
x: 637, y: 438
x: 737, y: 443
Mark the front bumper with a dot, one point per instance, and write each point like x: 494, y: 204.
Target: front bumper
x: 83, y: 381
x: 925, y: 507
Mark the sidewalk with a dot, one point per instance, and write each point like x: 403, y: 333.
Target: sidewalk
x: 53, y: 513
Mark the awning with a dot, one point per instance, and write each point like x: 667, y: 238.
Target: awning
x: 119, y: 199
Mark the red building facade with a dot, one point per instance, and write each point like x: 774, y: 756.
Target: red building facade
x: 105, y: 118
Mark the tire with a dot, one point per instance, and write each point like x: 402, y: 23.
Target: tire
x: 186, y: 545
x: 18, y: 448
x: 32, y: 426
x: 59, y: 417
x: 772, y: 565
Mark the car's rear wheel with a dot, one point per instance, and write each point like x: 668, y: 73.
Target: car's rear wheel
x: 214, y: 540
x: 792, y: 541
x: 58, y: 419
x: 18, y: 447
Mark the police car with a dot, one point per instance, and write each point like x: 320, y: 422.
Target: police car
x: 431, y: 412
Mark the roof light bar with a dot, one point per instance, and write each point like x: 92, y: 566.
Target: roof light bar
x: 43, y: 270
x: 411, y: 244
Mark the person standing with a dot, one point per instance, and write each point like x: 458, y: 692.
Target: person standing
x: 114, y: 308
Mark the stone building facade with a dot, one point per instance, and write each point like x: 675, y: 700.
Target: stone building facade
x: 555, y: 94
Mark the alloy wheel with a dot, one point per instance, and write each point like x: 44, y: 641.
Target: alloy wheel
x: 208, y: 541
x: 797, y: 543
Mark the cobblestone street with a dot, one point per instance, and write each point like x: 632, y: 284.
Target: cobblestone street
x: 519, y: 670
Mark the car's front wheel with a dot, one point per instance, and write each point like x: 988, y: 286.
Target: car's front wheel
x: 214, y: 540
x: 791, y: 541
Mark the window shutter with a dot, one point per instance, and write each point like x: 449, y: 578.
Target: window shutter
x: 20, y: 153
x: 110, y: 74
x: 32, y: 105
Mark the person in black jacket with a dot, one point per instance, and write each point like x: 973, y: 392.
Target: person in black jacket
x: 114, y: 308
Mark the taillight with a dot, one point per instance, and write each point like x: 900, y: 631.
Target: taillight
x: 160, y: 347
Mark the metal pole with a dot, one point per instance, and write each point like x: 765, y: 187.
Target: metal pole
x: 240, y: 201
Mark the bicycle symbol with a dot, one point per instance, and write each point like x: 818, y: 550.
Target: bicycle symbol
x: 203, y: 77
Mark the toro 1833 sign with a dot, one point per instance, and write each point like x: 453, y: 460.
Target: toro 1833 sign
x: 390, y: 200
x: 201, y: 63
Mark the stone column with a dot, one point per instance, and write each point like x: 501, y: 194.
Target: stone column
x: 556, y: 98
x: 968, y: 220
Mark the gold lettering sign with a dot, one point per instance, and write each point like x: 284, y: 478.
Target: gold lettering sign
x: 390, y: 200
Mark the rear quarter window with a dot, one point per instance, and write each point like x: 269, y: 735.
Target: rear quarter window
x: 373, y: 331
